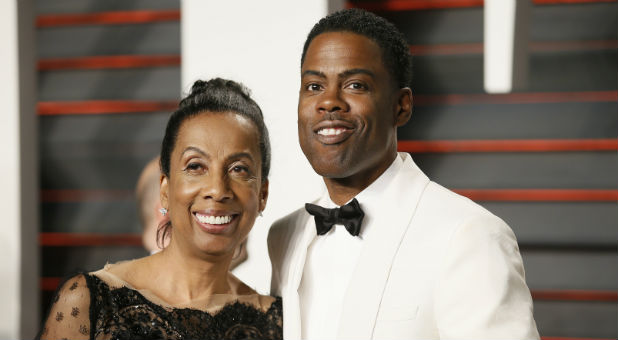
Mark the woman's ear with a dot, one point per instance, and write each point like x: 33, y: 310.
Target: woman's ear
x: 163, y: 191
x: 263, y: 196
x: 404, y: 106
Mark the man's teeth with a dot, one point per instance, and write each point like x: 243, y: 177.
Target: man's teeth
x: 330, y: 132
x: 213, y: 219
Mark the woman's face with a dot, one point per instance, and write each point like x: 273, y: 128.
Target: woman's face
x: 214, y: 191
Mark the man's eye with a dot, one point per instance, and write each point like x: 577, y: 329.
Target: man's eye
x: 357, y: 86
x: 313, y: 87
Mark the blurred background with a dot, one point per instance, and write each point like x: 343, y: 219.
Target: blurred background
x: 89, y: 86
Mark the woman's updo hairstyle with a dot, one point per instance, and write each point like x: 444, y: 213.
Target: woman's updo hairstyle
x: 216, y: 95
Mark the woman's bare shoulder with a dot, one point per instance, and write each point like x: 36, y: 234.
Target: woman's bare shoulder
x: 122, y: 274
x: 246, y: 293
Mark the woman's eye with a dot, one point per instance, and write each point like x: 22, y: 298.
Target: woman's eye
x: 240, y: 169
x: 193, y: 167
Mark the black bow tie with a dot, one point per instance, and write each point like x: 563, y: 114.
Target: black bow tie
x: 350, y: 215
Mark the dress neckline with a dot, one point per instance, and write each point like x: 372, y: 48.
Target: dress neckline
x: 210, y: 304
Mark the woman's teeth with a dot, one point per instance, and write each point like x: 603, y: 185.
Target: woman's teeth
x: 330, y: 132
x: 213, y: 219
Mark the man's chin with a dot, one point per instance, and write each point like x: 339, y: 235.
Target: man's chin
x: 331, y: 172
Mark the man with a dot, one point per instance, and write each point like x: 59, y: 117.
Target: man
x: 416, y: 260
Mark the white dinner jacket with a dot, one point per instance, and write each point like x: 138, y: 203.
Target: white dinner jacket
x: 443, y: 267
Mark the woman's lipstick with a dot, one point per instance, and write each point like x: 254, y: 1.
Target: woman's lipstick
x: 215, y: 222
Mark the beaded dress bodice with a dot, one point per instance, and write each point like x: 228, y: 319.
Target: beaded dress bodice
x: 125, y: 313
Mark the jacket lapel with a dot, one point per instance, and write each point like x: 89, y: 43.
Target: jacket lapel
x: 362, y: 300
x: 294, y: 268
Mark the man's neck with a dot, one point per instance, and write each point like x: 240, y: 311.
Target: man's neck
x: 342, y: 190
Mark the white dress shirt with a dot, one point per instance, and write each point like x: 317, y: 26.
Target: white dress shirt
x: 331, y: 261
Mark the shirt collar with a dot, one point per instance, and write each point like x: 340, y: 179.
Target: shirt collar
x: 371, y: 195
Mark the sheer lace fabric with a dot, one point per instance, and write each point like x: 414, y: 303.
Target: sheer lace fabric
x: 87, y: 307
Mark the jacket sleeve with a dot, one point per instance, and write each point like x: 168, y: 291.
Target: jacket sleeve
x: 275, y: 248
x: 481, y: 292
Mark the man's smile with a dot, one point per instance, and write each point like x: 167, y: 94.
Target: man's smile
x: 333, y: 131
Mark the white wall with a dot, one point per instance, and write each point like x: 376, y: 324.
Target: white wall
x: 19, y: 292
x: 259, y: 43
x: 9, y: 175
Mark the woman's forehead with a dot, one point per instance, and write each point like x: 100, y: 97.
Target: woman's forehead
x: 218, y: 133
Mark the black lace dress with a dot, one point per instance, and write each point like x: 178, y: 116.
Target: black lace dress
x: 87, y: 307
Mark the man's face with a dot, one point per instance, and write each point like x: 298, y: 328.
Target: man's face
x: 347, y: 108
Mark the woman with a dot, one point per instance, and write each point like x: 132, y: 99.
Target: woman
x: 215, y: 159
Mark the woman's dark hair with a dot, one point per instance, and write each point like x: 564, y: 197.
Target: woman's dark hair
x: 213, y: 96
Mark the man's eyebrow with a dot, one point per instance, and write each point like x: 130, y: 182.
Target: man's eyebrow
x: 354, y: 71
x: 343, y: 74
x: 196, y: 149
x: 313, y: 73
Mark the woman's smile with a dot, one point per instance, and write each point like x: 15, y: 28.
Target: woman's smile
x: 216, y: 222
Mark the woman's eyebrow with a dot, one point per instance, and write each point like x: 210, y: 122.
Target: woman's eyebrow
x: 196, y: 149
x: 241, y: 155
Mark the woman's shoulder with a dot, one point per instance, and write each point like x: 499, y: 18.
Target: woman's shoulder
x: 262, y: 303
x: 247, y: 295
x: 119, y: 274
x: 68, y: 315
x: 74, y: 290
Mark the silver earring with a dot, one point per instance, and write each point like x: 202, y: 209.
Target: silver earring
x: 260, y: 213
x: 163, y: 211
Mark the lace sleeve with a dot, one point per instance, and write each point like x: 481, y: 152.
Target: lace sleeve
x: 69, y: 316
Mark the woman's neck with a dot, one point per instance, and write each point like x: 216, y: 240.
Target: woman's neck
x: 182, y: 277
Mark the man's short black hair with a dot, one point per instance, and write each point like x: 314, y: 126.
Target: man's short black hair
x: 395, y: 49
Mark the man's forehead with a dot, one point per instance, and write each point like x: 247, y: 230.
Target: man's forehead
x: 353, y: 50
x: 332, y: 39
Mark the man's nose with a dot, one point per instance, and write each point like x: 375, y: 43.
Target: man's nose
x: 331, y: 100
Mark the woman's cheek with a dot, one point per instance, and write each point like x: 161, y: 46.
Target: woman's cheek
x: 187, y: 188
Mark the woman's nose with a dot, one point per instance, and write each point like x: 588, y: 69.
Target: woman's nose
x: 217, y: 188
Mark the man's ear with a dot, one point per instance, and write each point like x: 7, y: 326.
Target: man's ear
x: 163, y: 191
x: 263, y: 196
x: 404, y: 106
